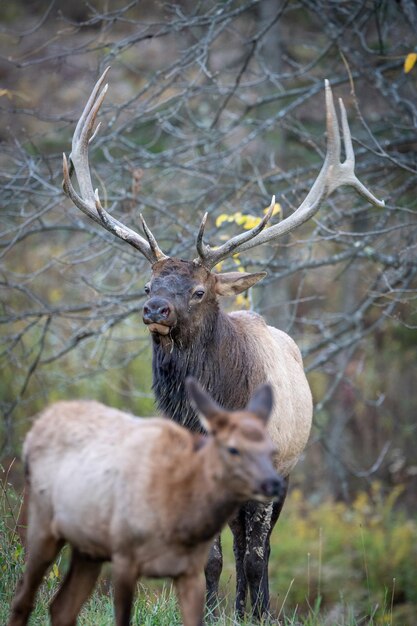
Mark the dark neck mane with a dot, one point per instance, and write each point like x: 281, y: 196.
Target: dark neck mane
x: 217, y: 356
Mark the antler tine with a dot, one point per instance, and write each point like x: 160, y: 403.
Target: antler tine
x: 210, y: 257
x: 202, y: 248
x: 349, y: 164
x: 332, y: 127
x: 159, y: 255
x: 88, y: 200
x: 82, y: 122
x: 332, y: 175
x: 84, y: 135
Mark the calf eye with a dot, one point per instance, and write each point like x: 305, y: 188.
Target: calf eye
x: 197, y: 295
x: 147, y: 288
x: 233, y: 451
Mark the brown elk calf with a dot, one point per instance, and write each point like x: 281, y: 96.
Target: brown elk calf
x: 146, y: 494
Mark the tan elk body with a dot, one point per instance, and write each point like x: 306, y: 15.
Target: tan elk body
x: 278, y: 361
x: 147, y: 494
x: 229, y: 354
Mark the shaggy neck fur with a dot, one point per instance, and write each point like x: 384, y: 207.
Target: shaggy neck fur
x: 217, y: 355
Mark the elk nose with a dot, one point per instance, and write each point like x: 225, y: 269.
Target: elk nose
x: 156, y: 310
x: 273, y: 487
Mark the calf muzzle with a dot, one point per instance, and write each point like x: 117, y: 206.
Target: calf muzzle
x: 273, y: 487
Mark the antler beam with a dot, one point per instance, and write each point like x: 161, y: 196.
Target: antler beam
x: 88, y: 200
x: 332, y: 175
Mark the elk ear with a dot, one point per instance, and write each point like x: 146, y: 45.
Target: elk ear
x: 232, y: 283
x: 261, y: 402
x: 203, y: 403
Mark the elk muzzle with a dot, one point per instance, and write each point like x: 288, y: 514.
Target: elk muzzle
x: 273, y: 487
x: 269, y: 485
x: 159, y: 315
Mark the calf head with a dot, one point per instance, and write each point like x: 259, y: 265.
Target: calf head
x: 183, y: 295
x: 245, y: 448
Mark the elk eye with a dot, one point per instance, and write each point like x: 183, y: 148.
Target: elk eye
x: 197, y: 295
x: 147, y: 288
x: 233, y: 451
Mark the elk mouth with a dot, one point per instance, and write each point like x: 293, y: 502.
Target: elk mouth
x: 158, y: 328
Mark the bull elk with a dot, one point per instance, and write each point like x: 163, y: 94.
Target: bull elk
x: 230, y: 354
x: 147, y: 494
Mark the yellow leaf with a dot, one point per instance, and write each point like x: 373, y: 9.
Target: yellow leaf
x: 239, y: 218
x: 222, y: 218
x: 410, y: 61
x: 250, y: 222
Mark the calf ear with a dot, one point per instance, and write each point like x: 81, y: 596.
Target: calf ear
x: 261, y: 402
x: 232, y: 283
x: 203, y: 403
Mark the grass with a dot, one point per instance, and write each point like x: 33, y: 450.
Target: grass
x: 332, y: 564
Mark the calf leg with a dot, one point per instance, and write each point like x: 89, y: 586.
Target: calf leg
x: 124, y: 579
x: 260, y: 521
x: 212, y: 571
x: 237, y: 526
x: 43, y: 549
x: 190, y: 591
x: 74, y: 591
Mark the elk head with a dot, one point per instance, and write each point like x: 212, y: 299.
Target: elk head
x: 182, y: 287
x: 186, y: 291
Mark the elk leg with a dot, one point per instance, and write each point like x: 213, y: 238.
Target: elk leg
x: 43, y: 549
x: 212, y: 571
x: 124, y: 580
x: 190, y: 591
x: 237, y: 526
x: 74, y: 591
x: 260, y: 521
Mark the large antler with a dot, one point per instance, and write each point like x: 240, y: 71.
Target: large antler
x: 88, y: 200
x: 332, y: 175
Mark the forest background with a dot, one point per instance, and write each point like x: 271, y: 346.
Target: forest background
x: 215, y: 106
